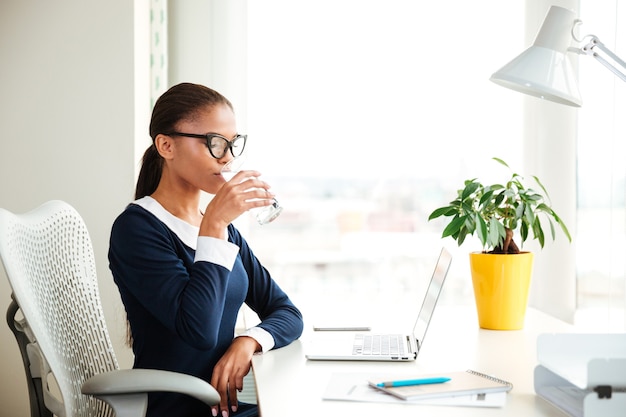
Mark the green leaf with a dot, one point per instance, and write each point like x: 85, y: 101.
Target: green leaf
x: 442, y: 211
x: 509, y: 192
x: 523, y: 231
x: 532, y: 196
x: 485, y: 197
x: 538, y: 231
x: 481, y: 229
x: 519, y: 210
x: 470, y: 189
x: 460, y: 238
x: 499, y: 199
x: 563, y: 227
x: 454, y: 226
x: 552, y: 230
x: 544, y: 208
x: 466, y: 207
x: 501, y: 161
x: 496, y: 233
x: 529, y: 215
x: 545, y: 192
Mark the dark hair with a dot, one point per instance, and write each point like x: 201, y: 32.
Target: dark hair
x: 181, y: 102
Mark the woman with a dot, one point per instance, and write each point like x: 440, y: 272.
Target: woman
x: 184, y: 271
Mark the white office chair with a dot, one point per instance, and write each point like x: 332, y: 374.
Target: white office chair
x: 48, y: 258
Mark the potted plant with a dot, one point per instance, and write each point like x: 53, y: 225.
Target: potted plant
x: 497, y: 214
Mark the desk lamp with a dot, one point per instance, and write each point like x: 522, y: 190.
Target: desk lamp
x: 544, y: 70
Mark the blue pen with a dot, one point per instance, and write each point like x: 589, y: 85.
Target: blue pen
x: 409, y: 382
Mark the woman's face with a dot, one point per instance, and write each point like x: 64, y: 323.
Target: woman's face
x: 191, y: 160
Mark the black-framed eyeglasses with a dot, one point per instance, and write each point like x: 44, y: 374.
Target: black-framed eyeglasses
x: 218, y: 144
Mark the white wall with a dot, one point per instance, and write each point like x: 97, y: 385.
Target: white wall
x: 206, y: 47
x: 550, y: 131
x: 67, y: 117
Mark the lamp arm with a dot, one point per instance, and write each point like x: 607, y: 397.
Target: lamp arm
x: 591, y: 49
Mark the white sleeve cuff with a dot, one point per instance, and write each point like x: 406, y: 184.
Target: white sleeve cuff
x: 262, y: 336
x: 217, y: 251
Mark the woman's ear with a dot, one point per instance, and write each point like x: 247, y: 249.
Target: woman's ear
x: 164, y: 145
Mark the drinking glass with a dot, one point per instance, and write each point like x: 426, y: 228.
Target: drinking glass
x: 263, y: 215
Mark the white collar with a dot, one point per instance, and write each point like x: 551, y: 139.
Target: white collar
x: 186, y: 232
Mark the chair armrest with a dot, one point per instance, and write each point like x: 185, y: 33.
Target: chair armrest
x: 137, y: 381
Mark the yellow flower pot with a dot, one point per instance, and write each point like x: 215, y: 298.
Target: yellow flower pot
x: 501, y: 284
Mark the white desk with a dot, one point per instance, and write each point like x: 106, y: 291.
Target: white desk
x: 290, y: 385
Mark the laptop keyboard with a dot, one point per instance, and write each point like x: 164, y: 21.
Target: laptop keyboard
x: 378, y: 344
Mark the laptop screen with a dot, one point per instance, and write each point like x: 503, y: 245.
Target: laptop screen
x: 432, y: 295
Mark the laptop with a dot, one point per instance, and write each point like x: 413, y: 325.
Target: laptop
x: 381, y: 346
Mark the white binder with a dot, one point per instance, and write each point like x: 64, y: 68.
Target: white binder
x: 584, y: 375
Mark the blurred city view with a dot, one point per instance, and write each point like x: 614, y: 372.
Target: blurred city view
x: 369, y: 241
x: 365, y: 241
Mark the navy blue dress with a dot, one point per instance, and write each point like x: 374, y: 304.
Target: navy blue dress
x: 182, y: 295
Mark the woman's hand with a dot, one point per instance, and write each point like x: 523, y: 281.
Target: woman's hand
x: 229, y: 372
x: 243, y: 192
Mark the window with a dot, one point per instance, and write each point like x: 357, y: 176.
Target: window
x: 601, y: 242
x: 364, y: 116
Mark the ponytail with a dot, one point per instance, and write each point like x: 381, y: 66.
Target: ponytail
x: 150, y: 173
x: 149, y: 177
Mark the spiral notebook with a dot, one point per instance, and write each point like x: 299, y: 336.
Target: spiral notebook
x: 460, y: 383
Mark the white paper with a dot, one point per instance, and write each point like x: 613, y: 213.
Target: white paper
x: 354, y: 387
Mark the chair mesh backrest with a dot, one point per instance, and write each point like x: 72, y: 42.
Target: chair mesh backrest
x: 49, y: 260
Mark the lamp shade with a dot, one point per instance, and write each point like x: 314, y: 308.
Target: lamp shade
x: 544, y: 70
